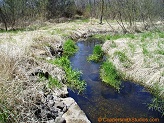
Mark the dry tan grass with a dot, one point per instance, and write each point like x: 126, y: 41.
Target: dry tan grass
x: 18, y: 94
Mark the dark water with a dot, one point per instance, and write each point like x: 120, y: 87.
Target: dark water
x: 102, y: 101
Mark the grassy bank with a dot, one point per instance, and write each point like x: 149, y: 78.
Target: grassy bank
x: 108, y: 72
x: 110, y: 75
x: 97, y: 54
x: 18, y: 92
x: 140, y: 58
x: 72, y: 76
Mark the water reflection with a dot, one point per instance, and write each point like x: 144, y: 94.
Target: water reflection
x: 100, y: 99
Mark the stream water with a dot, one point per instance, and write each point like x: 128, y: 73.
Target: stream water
x: 102, y: 101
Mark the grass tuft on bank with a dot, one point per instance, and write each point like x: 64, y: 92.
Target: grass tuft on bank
x: 97, y: 55
x: 72, y: 76
x: 69, y: 48
x: 110, y: 75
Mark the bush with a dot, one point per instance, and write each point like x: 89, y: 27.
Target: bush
x: 110, y: 75
x: 97, y: 54
x: 69, y: 48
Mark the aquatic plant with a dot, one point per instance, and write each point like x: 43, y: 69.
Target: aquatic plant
x: 97, y: 54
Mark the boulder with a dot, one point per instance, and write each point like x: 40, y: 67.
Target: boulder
x: 74, y: 114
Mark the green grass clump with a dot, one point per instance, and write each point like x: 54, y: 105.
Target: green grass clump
x: 145, y: 51
x: 161, y: 52
x: 157, y: 102
x: 110, y: 75
x: 52, y: 82
x: 97, y: 54
x: 4, y: 114
x: 146, y: 35
x: 123, y: 58
x: 63, y: 62
x: 132, y: 47
x: 14, y: 31
x: 72, y: 76
x: 113, y: 44
x: 161, y: 34
x: 69, y: 48
x: 100, y: 37
x: 113, y: 37
x: 157, y: 105
x: 129, y: 35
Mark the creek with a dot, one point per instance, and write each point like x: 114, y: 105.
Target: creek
x: 99, y: 100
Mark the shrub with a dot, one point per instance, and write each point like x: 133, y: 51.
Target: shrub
x: 110, y: 75
x: 97, y: 54
x: 69, y: 48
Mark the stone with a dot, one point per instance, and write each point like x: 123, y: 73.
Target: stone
x: 51, y: 103
x: 60, y: 105
x: 65, y: 109
x: 60, y: 120
x: 74, y: 114
x: 68, y: 101
x: 60, y: 114
x: 50, y: 97
x: 51, y: 121
x: 48, y: 58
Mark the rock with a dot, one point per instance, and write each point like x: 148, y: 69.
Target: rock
x: 65, y: 109
x: 50, y: 97
x: 54, y: 113
x: 60, y: 120
x: 48, y: 58
x: 51, y: 121
x: 60, y: 114
x: 74, y: 114
x: 51, y: 103
x: 68, y: 101
x: 62, y: 92
x: 60, y: 105
x: 36, y: 71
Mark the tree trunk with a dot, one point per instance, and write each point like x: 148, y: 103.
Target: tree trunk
x: 102, y: 11
x: 3, y: 18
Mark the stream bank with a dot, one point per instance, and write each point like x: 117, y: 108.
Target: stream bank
x: 102, y: 101
x: 25, y: 53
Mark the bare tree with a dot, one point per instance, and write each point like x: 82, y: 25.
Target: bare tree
x: 102, y: 11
